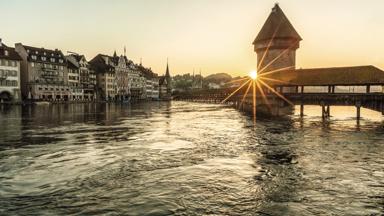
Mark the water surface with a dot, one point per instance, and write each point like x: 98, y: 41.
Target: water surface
x: 184, y: 158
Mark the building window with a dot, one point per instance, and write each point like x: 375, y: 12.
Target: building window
x: 34, y: 57
x: 43, y: 58
x: 33, y: 64
x: 6, y: 53
x: 52, y: 59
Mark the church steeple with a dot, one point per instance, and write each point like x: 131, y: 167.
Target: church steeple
x: 167, y: 74
x: 169, y: 80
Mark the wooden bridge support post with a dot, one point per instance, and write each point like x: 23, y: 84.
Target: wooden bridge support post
x: 301, y: 110
x: 325, y: 110
x: 358, y: 108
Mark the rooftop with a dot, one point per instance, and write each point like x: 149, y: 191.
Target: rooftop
x: 277, y: 26
x: 356, y: 75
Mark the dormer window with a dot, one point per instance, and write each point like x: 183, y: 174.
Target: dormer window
x: 27, y: 51
x: 36, y: 52
x: 45, y: 53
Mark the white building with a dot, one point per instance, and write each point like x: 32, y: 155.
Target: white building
x: 10, y: 62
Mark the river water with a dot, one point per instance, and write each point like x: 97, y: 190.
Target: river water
x: 183, y: 158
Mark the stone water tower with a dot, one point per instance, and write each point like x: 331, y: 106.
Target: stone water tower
x: 276, y: 43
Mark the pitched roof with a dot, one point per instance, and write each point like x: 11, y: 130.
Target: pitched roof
x: 11, y: 53
x: 357, y: 75
x: 277, y: 26
x: 72, y: 63
x: 99, y: 64
x: 41, y: 52
x: 146, y: 72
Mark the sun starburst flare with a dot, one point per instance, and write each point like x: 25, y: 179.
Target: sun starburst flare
x: 261, y: 82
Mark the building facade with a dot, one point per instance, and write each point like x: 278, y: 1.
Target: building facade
x: 10, y: 62
x: 122, y: 78
x: 151, y: 87
x: 137, y: 82
x: 104, y: 67
x: 75, y: 89
x: 84, y: 77
x: 44, y: 74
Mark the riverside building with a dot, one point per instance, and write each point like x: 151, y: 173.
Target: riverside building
x: 10, y: 62
x: 81, y: 78
x: 106, y: 87
x: 44, y: 74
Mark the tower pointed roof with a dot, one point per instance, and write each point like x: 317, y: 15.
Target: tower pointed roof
x: 277, y: 26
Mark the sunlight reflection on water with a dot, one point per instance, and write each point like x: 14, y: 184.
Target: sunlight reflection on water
x: 184, y: 158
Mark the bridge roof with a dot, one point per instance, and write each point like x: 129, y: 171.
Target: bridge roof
x: 358, y: 75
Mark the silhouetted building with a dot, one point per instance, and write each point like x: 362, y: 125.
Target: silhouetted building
x: 165, y: 85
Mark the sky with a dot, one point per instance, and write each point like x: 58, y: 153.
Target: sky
x: 214, y: 36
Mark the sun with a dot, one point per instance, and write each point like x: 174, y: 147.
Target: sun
x: 253, y: 74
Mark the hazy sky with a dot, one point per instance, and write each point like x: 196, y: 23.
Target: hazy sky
x: 214, y: 35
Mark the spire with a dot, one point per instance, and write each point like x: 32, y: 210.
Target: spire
x: 167, y: 71
x: 114, y: 54
x: 125, y: 51
x: 277, y: 26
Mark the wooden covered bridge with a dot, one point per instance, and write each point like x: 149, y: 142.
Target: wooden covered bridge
x: 324, y: 87
x: 280, y: 84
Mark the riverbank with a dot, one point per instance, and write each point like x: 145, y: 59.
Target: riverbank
x: 76, y: 102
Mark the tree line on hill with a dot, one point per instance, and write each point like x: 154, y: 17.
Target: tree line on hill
x: 187, y: 81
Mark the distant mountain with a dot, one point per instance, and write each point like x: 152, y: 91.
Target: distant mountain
x: 218, y: 78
